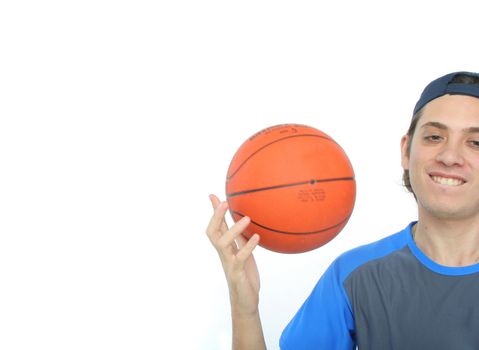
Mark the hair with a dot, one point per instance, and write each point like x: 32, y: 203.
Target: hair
x: 462, y: 78
x: 410, y: 134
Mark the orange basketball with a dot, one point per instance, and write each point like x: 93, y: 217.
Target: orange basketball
x: 295, y: 183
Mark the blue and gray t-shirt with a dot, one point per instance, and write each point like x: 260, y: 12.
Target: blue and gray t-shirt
x: 389, y: 295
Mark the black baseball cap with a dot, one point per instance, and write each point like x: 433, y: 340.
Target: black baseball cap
x: 446, y: 85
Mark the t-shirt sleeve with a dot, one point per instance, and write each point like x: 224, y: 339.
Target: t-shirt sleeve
x: 325, y: 320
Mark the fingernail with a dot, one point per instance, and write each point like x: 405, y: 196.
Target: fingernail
x: 244, y: 219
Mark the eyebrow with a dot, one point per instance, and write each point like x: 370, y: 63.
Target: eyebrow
x: 470, y: 130
x: 435, y: 125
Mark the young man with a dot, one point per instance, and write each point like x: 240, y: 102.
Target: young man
x: 416, y: 289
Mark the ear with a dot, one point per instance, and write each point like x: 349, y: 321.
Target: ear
x: 404, y: 153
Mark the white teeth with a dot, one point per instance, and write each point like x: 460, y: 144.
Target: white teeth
x: 447, y: 181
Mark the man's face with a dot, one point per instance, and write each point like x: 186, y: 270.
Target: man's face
x: 443, y: 162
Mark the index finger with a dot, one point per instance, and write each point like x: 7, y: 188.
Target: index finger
x: 215, y: 201
x: 217, y: 225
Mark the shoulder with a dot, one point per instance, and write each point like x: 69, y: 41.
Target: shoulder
x: 351, y: 260
x: 326, y: 319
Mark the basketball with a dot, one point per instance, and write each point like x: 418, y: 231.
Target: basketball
x: 295, y: 183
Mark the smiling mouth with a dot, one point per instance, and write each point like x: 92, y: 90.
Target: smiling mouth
x: 448, y: 181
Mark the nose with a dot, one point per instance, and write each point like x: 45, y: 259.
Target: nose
x: 451, y: 154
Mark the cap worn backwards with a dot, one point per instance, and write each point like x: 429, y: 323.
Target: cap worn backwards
x: 447, y: 85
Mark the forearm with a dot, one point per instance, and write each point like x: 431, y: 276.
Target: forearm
x: 247, y: 332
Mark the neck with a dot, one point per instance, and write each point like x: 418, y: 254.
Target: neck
x: 448, y: 242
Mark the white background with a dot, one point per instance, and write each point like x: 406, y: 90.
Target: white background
x: 118, y: 118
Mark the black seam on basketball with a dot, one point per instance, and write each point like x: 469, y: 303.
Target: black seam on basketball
x: 312, y: 182
x: 278, y: 140
x: 295, y: 233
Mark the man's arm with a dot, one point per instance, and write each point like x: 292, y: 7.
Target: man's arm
x: 236, y: 255
x: 247, y: 332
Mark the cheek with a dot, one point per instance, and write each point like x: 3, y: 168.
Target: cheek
x: 475, y: 162
x: 418, y: 154
x: 415, y: 162
x: 411, y: 158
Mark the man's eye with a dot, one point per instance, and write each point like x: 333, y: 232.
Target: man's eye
x: 433, y: 138
x: 474, y: 143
